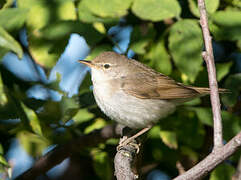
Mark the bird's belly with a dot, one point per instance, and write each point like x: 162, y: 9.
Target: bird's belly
x: 131, y: 111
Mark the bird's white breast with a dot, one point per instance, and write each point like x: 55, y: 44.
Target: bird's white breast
x: 129, y: 110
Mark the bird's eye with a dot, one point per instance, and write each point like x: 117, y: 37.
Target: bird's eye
x: 106, y: 66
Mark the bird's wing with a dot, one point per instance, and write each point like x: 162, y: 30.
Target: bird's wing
x: 156, y: 86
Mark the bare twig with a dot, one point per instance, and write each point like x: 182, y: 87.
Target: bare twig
x: 58, y: 154
x: 209, y: 59
x: 212, y: 160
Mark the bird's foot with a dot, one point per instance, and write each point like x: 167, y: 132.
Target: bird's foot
x: 124, y: 141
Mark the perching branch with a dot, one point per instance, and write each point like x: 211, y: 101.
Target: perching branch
x: 60, y: 153
x: 209, y: 59
x: 212, y: 160
x: 124, y: 160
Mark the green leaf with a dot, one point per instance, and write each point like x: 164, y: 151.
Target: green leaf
x: 3, y: 161
x: 33, y: 120
x: 156, y: 10
x: 211, y: 6
x: 233, y: 83
x: 191, y: 133
x: 85, y: 15
x: 32, y: 143
x: 223, y: 69
x: 154, y: 132
x: 186, y: 45
x: 3, y: 97
x: 159, y: 58
x: 9, y: 43
x: 204, y: 115
x: 169, y: 138
x: 227, y: 18
x: 6, y: 3
x: 106, y: 8
x: 193, y: 102
x: 42, y: 14
x: 231, y: 125
x: 49, y: 43
x: 13, y: 18
x: 69, y: 107
x: 225, y: 25
x: 62, y: 29
x: 102, y: 164
x: 83, y: 115
x: 141, y: 37
x: 97, y: 124
x: 222, y: 172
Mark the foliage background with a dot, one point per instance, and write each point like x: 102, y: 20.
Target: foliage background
x: 46, y: 101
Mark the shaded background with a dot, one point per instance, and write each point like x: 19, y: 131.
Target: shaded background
x: 46, y: 95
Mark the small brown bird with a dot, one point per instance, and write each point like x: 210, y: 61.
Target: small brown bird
x: 135, y: 95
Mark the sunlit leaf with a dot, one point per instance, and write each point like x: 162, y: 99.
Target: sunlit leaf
x: 83, y: 115
x: 169, y: 138
x: 106, y: 8
x: 33, y: 120
x: 6, y: 3
x: 86, y: 15
x: 154, y: 132
x: 32, y: 143
x: 9, y: 43
x: 159, y: 58
x: 211, y: 6
x: 3, y: 97
x: 44, y: 13
x: 13, y: 18
x: 222, y: 172
x: 2, y: 159
x: 100, y: 27
x: 185, y: 44
x: 156, y: 10
x: 97, y: 124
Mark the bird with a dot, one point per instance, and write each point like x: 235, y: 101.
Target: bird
x: 135, y: 95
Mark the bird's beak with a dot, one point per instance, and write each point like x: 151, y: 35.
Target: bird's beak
x: 87, y: 63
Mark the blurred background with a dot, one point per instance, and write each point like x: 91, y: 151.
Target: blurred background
x: 46, y: 95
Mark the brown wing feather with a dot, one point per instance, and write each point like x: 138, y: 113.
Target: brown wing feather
x: 156, y: 86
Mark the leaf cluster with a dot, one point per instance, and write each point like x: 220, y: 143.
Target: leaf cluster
x: 166, y: 36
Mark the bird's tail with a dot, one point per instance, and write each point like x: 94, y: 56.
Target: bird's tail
x: 203, y: 90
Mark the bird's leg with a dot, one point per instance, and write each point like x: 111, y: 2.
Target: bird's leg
x: 124, y: 141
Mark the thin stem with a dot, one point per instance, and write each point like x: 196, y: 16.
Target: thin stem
x: 209, y: 59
